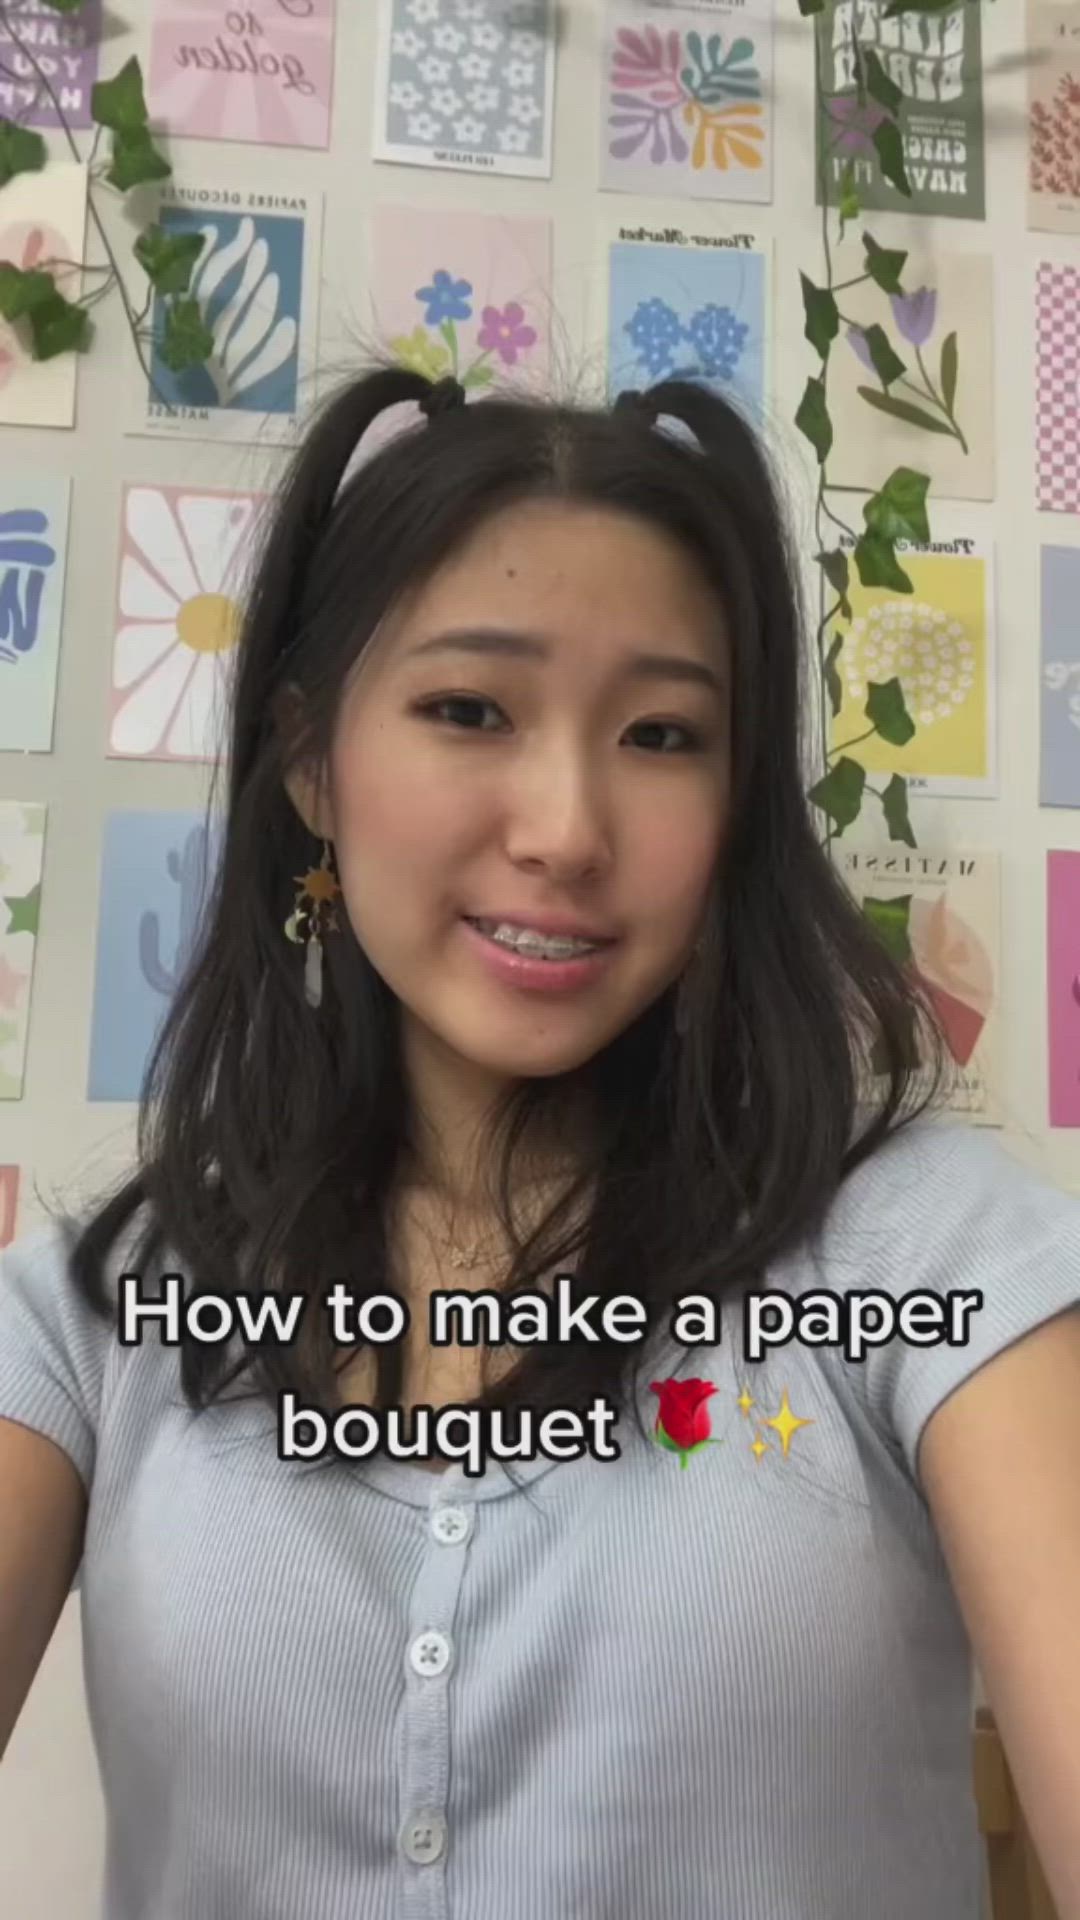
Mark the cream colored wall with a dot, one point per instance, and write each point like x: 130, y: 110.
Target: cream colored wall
x: 51, y: 1815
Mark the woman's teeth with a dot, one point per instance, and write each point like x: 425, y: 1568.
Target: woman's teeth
x: 538, y: 945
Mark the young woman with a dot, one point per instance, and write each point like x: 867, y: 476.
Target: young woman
x: 523, y: 960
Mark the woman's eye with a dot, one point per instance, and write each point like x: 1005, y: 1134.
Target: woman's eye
x: 461, y: 710
x: 687, y: 742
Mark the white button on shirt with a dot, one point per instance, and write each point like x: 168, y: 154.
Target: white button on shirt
x: 423, y: 1838
x: 450, y: 1525
x: 429, y: 1654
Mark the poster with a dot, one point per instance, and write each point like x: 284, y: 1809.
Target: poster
x: 156, y: 870
x: 37, y: 44
x: 687, y: 108
x: 1063, y: 986
x: 256, y: 284
x: 940, y: 916
x: 1053, y: 67
x: 1059, y: 777
x: 22, y: 851
x: 467, y: 294
x: 946, y: 428
x: 935, y: 58
x: 33, y: 560
x: 693, y: 310
x: 9, y: 1201
x: 263, y: 73
x: 466, y: 84
x: 1057, y: 389
x: 939, y: 642
x: 183, y: 556
x: 42, y: 224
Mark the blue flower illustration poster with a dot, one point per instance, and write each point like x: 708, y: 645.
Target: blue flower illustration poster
x: 156, y: 870
x: 233, y: 354
x: 466, y: 84
x: 686, y: 106
x: 33, y: 556
x: 685, y: 312
x: 1059, y: 781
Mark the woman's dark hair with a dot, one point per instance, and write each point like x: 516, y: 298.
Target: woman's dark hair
x: 269, y: 1132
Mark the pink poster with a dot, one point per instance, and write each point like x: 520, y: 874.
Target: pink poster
x: 262, y: 73
x: 1063, y: 985
x: 1057, y: 331
x: 9, y: 1195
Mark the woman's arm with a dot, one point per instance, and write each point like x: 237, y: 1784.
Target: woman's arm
x: 42, y: 1522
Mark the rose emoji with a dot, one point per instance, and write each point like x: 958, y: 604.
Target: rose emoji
x: 682, y: 1423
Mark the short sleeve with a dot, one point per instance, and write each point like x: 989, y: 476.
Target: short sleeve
x: 54, y: 1350
x: 944, y: 1208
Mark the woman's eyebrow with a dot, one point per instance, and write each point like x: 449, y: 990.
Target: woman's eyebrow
x: 505, y: 640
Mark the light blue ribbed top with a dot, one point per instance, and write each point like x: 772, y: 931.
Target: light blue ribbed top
x: 365, y: 1691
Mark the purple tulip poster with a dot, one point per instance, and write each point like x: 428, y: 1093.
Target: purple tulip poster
x: 22, y: 853
x: 937, y: 414
x: 155, y: 873
x: 687, y: 104
x: 262, y: 73
x: 1059, y: 782
x: 466, y: 84
x: 33, y: 558
x: 935, y: 58
x: 1053, y: 65
x: 690, y: 312
x: 1063, y: 986
x: 39, y: 45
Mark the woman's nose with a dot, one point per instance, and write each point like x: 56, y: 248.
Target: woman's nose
x: 558, y: 818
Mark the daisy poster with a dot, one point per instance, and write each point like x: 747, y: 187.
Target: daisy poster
x: 935, y: 58
x: 938, y: 642
x: 466, y: 84
x: 33, y: 558
x: 687, y: 100
x: 262, y: 73
x: 183, y: 555
x: 254, y: 291
x: 9, y: 1200
x: 467, y: 294
x: 1053, y: 65
x: 42, y: 228
x: 696, y: 311
x: 1063, y: 986
x: 939, y: 914
x: 37, y: 40
x: 1059, y: 781
x: 22, y: 851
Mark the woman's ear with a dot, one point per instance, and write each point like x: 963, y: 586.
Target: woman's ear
x: 304, y: 778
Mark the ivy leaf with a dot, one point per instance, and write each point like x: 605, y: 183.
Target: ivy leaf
x: 849, y: 197
x: 187, y: 340
x: 21, y: 151
x: 887, y: 363
x: 903, y: 410
x: 840, y: 793
x: 813, y: 420
x: 120, y: 103
x: 834, y: 566
x: 58, y: 326
x: 877, y: 565
x: 891, y: 920
x: 822, y: 316
x: 894, y: 801
x: 886, y: 711
x: 807, y: 7
x: 879, y: 86
x: 884, y: 265
x: 890, y: 153
x: 899, y: 510
x: 168, y: 258
x: 63, y: 6
x: 917, y: 6
x: 950, y: 368
x: 832, y: 678
x: 21, y: 291
x: 136, y: 160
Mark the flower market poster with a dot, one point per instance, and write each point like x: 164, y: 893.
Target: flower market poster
x: 936, y: 61
x: 692, y: 308
x: 939, y: 915
x: 1053, y: 64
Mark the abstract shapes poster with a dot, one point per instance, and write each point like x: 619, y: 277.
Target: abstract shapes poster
x: 183, y: 557
x: 463, y: 293
x: 939, y: 915
x: 1063, y: 986
x: 156, y: 870
x: 263, y: 73
x: 9, y: 1201
x: 690, y: 312
x: 1053, y: 65
x: 687, y: 104
x: 938, y: 642
x: 466, y: 84
x: 33, y: 558
x: 935, y: 58
x: 256, y: 286
x: 22, y: 851
x: 937, y: 414
x: 1057, y: 389
x: 42, y: 226
x: 63, y: 48
x: 1059, y: 778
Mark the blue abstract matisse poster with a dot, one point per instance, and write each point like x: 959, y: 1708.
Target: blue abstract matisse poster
x: 689, y: 312
x: 156, y: 871
x: 33, y: 557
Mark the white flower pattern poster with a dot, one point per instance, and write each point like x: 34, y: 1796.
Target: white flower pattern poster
x: 22, y: 850
x: 466, y: 84
x: 183, y: 559
x: 255, y: 283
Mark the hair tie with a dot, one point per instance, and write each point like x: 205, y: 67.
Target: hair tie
x: 631, y: 400
x: 443, y: 397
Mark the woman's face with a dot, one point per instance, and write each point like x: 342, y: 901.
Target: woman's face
x: 539, y: 738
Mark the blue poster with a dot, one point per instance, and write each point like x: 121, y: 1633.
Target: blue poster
x: 33, y: 557
x: 689, y: 313
x: 248, y: 282
x: 1059, y: 784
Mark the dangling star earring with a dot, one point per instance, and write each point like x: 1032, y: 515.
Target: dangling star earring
x: 313, y: 916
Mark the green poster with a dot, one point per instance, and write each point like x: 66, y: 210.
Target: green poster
x: 936, y: 61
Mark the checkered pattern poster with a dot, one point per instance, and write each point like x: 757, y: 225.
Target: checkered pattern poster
x: 1057, y: 428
